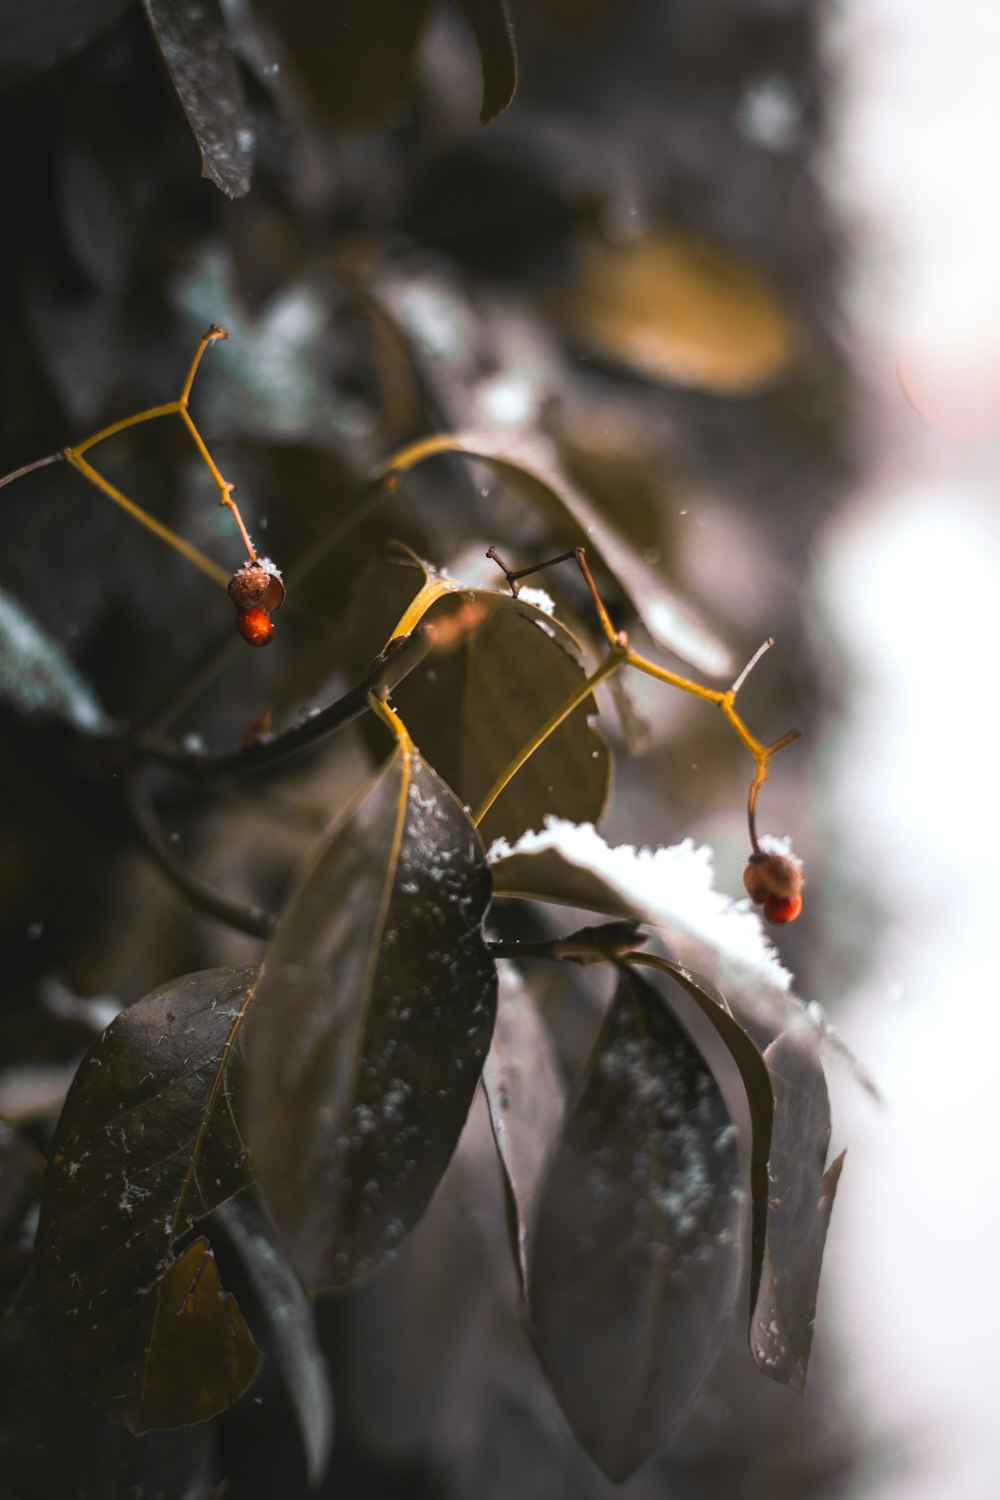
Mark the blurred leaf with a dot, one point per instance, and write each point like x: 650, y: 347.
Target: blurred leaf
x: 355, y: 58
x: 35, y: 34
x: 55, y: 1446
x: 801, y: 1200
x: 21, y: 1165
x: 490, y: 20
x: 37, y: 678
x: 471, y: 709
x: 292, y: 1326
x: 147, y: 1143
x: 371, y: 1026
x: 756, y: 1080
x: 192, y: 38
x: 531, y: 463
x: 679, y: 310
x: 524, y: 1095
x: 636, y: 1253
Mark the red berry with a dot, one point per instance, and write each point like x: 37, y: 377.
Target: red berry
x: 255, y: 626
x: 781, y: 909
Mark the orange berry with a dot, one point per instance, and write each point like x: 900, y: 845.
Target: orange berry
x: 255, y: 626
x: 781, y: 909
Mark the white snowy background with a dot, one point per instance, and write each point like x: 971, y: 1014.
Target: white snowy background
x: 907, y: 586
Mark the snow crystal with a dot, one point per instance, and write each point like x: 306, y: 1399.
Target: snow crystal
x: 539, y: 598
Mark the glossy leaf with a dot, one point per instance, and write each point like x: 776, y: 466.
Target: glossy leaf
x: 55, y: 1446
x: 191, y: 36
x: 673, y: 889
x: 801, y: 1200
x: 371, y: 1026
x: 679, y: 310
x: 473, y: 704
x: 292, y: 1328
x: 532, y: 464
x: 524, y: 1096
x: 636, y: 1254
x: 38, y: 679
x: 491, y: 23
x: 148, y: 1142
x: 756, y: 1081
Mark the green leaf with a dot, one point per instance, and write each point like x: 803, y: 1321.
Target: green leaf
x: 292, y: 1327
x: 530, y: 461
x: 38, y: 679
x: 372, y: 1022
x: 491, y: 23
x: 525, y: 1099
x: 472, y: 706
x: 756, y: 1080
x: 147, y: 1142
x: 191, y: 36
x: 55, y: 1446
x: 636, y: 1254
x: 801, y: 1200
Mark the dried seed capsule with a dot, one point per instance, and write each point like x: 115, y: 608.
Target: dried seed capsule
x: 257, y: 585
x: 255, y: 626
x: 771, y: 873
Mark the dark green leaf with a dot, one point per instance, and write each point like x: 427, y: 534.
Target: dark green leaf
x: 55, y: 1446
x: 472, y: 707
x: 38, y: 679
x: 636, y: 1255
x: 148, y: 1142
x: 760, y: 1096
x: 355, y: 58
x: 292, y: 1327
x: 371, y: 1026
x: 191, y: 36
x: 801, y: 1200
x: 524, y: 1095
x: 490, y: 20
x: 532, y: 464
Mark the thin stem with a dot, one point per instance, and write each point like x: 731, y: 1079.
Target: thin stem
x: 741, y: 679
x: 608, y: 666
x: 387, y: 671
x: 39, y: 463
x: 193, y: 555
x: 142, y: 813
x: 208, y: 337
x: 169, y: 409
x: 614, y: 638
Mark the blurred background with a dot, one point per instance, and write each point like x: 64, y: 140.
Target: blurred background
x: 733, y: 262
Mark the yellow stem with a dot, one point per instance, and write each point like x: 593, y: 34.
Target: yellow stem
x: 608, y: 667
x: 169, y: 409
x: 391, y: 720
x: 207, y: 566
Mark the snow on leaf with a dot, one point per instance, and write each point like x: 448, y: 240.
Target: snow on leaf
x: 673, y: 889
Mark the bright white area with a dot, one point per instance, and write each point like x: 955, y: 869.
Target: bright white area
x: 909, y: 583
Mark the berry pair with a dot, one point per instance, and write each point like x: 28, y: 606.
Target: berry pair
x: 257, y: 591
x: 774, y: 881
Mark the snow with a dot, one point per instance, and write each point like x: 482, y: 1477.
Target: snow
x: 673, y: 888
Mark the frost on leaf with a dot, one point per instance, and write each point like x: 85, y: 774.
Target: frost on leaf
x: 636, y: 1253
